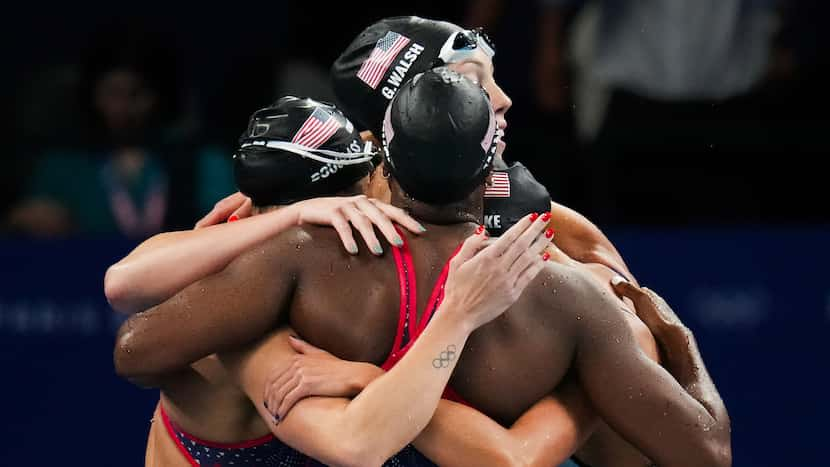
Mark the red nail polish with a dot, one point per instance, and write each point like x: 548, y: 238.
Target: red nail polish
x: 233, y: 218
x: 479, y: 230
x: 534, y: 216
x: 546, y: 217
x: 546, y: 256
x: 549, y: 233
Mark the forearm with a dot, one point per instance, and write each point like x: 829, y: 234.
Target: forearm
x: 626, y: 387
x: 166, y: 263
x: 368, y: 429
x: 547, y: 434
x: 583, y: 241
x: 414, y: 387
x: 684, y: 362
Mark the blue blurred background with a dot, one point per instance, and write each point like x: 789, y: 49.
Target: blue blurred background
x: 706, y: 175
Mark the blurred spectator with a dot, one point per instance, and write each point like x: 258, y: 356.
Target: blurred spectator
x: 116, y: 177
x: 681, y: 111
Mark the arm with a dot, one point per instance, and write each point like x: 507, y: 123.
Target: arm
x: 370, y: 429
x: 547, y: 434
x: 457, y: 435
x: 674, y: 422
x: 168, y: 262
x: 583, y: 241
x: 225, y: 310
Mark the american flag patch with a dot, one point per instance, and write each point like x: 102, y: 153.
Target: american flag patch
x: 500, y: 187
x: 317, y: 129
x: 385, y: 51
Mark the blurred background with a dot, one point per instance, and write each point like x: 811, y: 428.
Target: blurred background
x: 690, y: 131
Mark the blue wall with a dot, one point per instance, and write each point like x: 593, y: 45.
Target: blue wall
x: 757, y: 299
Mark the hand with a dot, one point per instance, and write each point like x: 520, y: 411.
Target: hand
x: 650, y: 307
x: 230, y: 208
x: 486, y: 279
x: 359, y: 212
x: 670, y: 333
x: 315, y: 372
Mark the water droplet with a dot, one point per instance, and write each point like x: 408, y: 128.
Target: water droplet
x: 578, y: 318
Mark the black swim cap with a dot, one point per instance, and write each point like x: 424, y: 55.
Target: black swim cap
x: 439, y: 136
x: 298, y: 149
x: 512, y: 194
x: 381, y: 59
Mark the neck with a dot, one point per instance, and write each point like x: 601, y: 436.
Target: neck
x: 470, y: 209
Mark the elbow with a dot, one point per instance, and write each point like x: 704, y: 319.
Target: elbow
x: 722, y: 449
x: 354, y: 455
x: 719, y: 456
x: 117, y: 289
x: 505, y: 459
x: 364, y: 453
x: 357, y: 448
x: 718, y: 450
x: 126, y: 360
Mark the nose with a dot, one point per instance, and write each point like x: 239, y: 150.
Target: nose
x: 501, y: 104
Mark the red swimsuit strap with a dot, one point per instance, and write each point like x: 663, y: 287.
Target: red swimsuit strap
x: 406, y: 278
x: 408, y: 301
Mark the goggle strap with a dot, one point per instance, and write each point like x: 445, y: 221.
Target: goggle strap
x: 323, y: 156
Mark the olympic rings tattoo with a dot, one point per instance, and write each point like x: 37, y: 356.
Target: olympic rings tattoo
x: 445, y: 357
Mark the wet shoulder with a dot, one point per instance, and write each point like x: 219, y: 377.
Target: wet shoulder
x: 563, y: 292
x: 316, y: 246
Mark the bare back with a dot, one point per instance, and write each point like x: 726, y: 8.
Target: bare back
x: 349, y: 306
x: 564, y: 325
